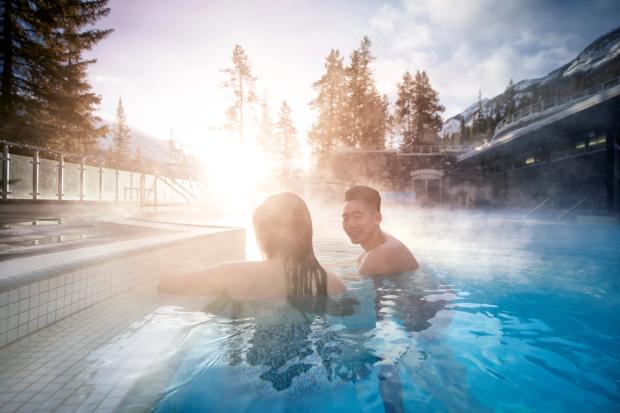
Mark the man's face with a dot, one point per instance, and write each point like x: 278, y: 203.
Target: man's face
x: 359, y: 221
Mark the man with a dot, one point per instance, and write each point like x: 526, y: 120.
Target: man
x: 361, y: 220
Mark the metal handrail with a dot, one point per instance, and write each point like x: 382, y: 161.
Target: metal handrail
x: 554, y: 102
x: 436, y: 148
x: 563, y: 214
x: 172, y: 184
x: 536, y: 208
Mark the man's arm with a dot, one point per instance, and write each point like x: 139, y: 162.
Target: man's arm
x: 388, y: 259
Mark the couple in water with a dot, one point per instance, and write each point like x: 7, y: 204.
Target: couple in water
x: 283, y: 230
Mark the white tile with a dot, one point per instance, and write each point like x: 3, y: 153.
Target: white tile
x: 23, y: 317
x: 52, y: 283
x: 44, y: 285
x: 4, y: 299
x: 11, y: 407
x: 34, y: 301
x: 4, y: 312
x: 42, y: 310
x: 23, y: 304
x: 34, y: 289
x: 4, y: 325
x: 24, y: 292
x: 33, y: 314
x: 13, y: 296
x: 22, y: 330
x: 12, y: 335
x: 13, y: 321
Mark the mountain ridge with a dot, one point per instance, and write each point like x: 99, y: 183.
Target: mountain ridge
x: 600, y: 60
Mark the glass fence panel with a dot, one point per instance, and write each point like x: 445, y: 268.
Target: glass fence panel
x: 20, y: 177
x: 91, y: 183
x: 21, y: 173
x: 149, y: 187
x: 48, y: 179
x: 109, y: 185
x: 125, y: 184
x: 71, y: 182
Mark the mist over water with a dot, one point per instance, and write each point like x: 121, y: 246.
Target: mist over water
x: 500, y: 303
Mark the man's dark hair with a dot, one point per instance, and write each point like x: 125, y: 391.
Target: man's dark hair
x: 365, y: 194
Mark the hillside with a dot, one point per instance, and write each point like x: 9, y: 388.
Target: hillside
x: 598, y: 62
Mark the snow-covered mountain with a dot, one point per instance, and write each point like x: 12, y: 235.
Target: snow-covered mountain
x: 598, y: 62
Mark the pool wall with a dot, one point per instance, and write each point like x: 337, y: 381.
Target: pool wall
x: 41, y: 290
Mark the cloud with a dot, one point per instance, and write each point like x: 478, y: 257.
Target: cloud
x: 385, y: 18
x: 466, y: 46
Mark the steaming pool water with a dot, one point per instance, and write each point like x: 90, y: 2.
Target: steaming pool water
x: 504, y: 316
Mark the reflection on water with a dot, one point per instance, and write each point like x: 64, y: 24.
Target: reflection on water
x: 273, y: 350
x: 500, y: 318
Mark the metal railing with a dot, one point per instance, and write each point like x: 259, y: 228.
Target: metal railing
x: 436, y: 149
x: 28, y: 175
x: 554, y: 103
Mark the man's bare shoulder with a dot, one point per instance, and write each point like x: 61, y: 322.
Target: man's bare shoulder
x: 391, y: 257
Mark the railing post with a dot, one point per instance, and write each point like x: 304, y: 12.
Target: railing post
x: 5, y: 170
x: 82, y: 176
x: 100, y: 182
x: 35, y: 175
x: 155, y: 190
x: 142, y: 185
x: 130, y: 186
x: 61, y: 176
x: 116, y: 185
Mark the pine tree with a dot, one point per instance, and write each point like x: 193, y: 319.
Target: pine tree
x: 287, y: 150
x: 364, y: 114
x: 138, y: 161
x: 427, y: 110
x: 480, y: 120
x: 119, y: 150
x: 463, y: 138
x: 45, y: 97
x: 327, y: 132
x: 265, y: 139
x: 509, y: 99
x: 404, y: 114
x: 241, y: 82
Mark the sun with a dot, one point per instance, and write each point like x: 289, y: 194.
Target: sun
x: 236, y: 172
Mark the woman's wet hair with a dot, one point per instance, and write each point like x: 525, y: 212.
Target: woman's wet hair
x: 284, y: 228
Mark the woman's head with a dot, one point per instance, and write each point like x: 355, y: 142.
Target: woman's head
x: 283, y: 229
x: 283, y: 226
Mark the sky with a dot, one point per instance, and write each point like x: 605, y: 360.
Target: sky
x: 164, y: 58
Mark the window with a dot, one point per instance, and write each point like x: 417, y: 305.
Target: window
x: 598, y: 141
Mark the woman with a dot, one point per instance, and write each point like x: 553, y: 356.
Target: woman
x: 283, y: 230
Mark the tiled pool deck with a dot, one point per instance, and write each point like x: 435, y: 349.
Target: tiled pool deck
x: 89, y: 360
x: 78, y: 327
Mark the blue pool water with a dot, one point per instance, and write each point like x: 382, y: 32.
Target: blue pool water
x: 503, y: 316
